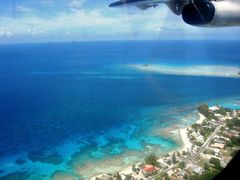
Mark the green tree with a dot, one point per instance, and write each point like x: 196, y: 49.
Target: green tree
x: 205, y: 132
x: 198, y: 143
x: 184, y: 153
x: 216, y: 163
x: 222, y: 128
x: 135, y: 169
x: 221, y: 111
x: 209, y: 151
x: 178, y: 154
x: 235, y: 141
x: 163, y: 177
x: 169, y: 162
x: 208, y: 175
x: 174, y: 160
x: 233, y: 122
x: 166, y: 176
x: 152, y: 160
x: 195, y: 127
x: 234, y: 152
x: 117, y: 176
x: 206, y: 166
x: 182, y: 165
x: 203, y: 109
x: 127, y: 176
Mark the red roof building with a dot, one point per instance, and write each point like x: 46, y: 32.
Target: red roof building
x: 149, y: 170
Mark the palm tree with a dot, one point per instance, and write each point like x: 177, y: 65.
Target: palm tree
x: 118, y: 176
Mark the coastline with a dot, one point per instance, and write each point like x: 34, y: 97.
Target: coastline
x: 184, y: 136
x: 178, y: 132
x: 201, y: 118
x: 171, y: 131
x: 186, y: 145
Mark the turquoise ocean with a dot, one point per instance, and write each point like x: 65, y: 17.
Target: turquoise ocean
x: 77, y: 107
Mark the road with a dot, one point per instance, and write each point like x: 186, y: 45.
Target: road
x: 192, y: 157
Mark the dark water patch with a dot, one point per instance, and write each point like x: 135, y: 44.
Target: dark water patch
x: 20, y: 161
x: 50, y: 158
x: 18, y: 175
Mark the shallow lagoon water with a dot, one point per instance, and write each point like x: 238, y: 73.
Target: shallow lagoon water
x: 64, y: 100
x: 117, y: 148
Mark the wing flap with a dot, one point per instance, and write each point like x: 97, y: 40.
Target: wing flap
x: 143, y: 7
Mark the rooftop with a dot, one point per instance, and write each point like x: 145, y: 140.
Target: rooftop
x: 149, y: 168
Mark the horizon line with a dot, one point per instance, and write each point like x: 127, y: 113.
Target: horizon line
x: 111, y: 40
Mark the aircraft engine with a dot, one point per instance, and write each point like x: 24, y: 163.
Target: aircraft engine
x: 212, y: 13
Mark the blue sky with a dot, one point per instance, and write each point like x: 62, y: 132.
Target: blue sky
x: 80, y: 20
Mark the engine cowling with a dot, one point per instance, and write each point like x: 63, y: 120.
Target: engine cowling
x: 212, y: 14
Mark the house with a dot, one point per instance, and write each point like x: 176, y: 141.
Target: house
x: 194, y: 134
x: 213, y: 124
x: 228, y: 134
x: 218, y: 140
x: 234, y: 132
x: 207, y: 127
x: 219, y: 115
x: 214, y: 108
x: 197, y: 170
x: 149, y: 170
x: 215, y: 150
x: 176, y: 177
x: 224, y: 138
x: 221, y: 121
x: 200, y: 139
x: 217, y: 145
x: 234, y: 114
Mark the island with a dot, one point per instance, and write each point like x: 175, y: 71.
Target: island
x: 208, y: 146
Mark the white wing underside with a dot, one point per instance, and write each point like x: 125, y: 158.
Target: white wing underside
x: 143, y: 5
x: 146, y: 6
x: 174, y: 5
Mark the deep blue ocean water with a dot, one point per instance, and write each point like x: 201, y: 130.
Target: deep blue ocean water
x: 53, y: 93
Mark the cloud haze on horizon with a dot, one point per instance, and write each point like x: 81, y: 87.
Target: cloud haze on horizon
x: 81, y: 20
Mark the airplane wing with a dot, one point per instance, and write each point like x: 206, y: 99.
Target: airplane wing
x: 145, y: 6
x: 141, y: 4
x: 174, y: 5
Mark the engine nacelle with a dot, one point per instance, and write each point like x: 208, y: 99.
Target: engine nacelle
x: 212, y: 14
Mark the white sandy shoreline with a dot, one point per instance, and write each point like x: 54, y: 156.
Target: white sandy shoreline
x: 201, y: 118
x: 184, y: 137
x: 193, y: 70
